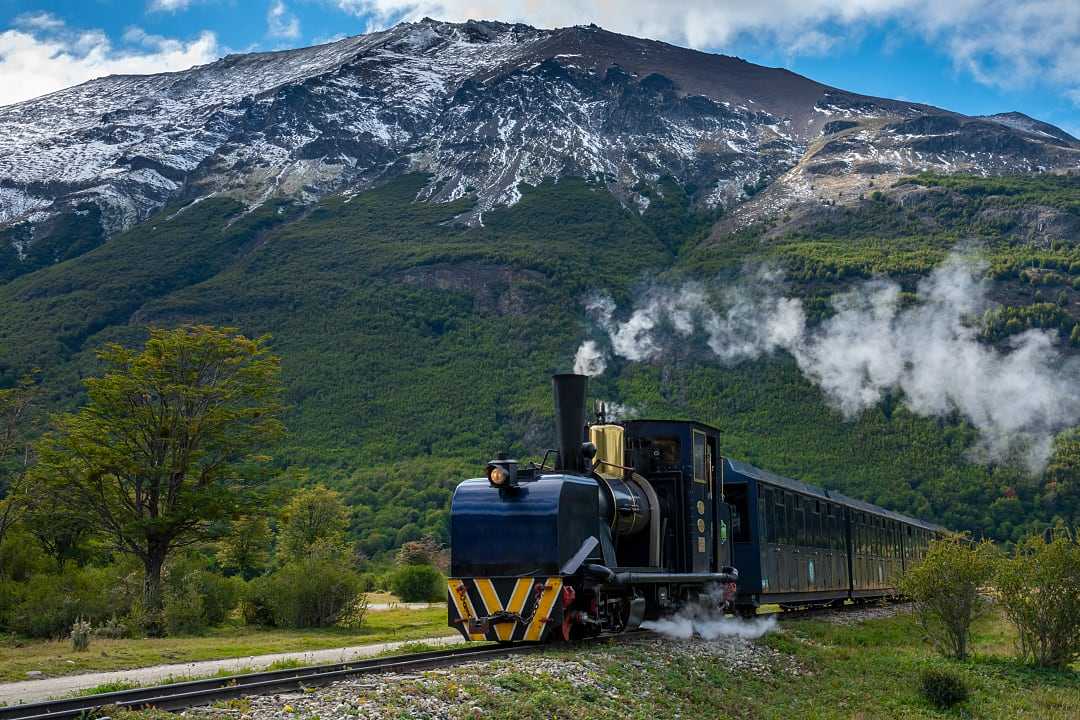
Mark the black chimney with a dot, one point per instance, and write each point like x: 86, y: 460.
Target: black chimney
x: 570, y: 420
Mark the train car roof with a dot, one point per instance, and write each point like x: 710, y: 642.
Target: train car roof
x: 797, y: 486
x: 877, y: 510
x: 773, y: 479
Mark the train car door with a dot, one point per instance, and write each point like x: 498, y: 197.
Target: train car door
x: 699, y: 502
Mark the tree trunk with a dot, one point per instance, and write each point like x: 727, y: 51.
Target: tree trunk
x: 153, y: 601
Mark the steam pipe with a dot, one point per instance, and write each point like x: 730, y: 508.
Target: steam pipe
x: 646, y: 578
x: 606, y: 574
x: 569, y: 393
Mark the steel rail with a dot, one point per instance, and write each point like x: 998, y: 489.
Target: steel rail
x: 182, y: 695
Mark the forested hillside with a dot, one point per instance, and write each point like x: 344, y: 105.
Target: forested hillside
x: 413, y: 348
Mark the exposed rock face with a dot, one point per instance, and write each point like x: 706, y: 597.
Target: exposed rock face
x: 481, y: 107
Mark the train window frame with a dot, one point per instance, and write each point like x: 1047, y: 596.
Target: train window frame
x: 789, y: 519
x: 697, y: 453
x: 781, y: 516
x: 800, y: 522
x: 769, y: 503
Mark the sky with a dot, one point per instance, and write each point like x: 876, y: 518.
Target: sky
x: 972, y: 56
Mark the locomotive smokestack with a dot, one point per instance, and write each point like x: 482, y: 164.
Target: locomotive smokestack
x: 570, y: 420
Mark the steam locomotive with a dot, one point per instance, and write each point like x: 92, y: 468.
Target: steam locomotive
x: 635, y: 519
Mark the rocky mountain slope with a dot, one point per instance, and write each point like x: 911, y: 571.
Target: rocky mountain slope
x: 481, y: 108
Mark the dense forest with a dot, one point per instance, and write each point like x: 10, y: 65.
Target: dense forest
x: 412, y: 348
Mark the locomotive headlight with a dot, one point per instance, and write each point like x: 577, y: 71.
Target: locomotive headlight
x: 502, y: 473
x: 498, y: 476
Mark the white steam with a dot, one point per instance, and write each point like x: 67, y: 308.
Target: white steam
x: 589, y: 359
x: 682, y: 627
x: 873, y: 345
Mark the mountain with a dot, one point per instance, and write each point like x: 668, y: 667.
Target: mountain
x: 481, y: 107
x: 419, y: 218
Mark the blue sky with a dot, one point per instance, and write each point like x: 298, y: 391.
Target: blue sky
x: 974, y: 56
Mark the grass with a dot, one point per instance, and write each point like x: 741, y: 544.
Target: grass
x: 821, y: 670
x: 56, y: 658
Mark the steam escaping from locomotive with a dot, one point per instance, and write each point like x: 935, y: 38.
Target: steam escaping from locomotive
x: 874, y: 345
x: 709, y: 624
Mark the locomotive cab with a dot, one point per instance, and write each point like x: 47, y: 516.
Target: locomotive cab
x: 629, y: 522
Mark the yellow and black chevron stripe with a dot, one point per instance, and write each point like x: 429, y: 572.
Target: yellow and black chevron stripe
x: 505, y: 609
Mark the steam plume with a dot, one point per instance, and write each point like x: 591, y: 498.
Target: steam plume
x: 1018, y: 399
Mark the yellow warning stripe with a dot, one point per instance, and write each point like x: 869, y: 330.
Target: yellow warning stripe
x: 544, y: 605
x: 520, y: 595
x: 504, y: 630
x: 460, y: 595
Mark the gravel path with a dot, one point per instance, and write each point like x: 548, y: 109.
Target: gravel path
x: 34, y: 690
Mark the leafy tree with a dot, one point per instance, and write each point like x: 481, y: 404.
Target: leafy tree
x: 60, y: 530
x: 1040, y: 592
x: 246, y: 549
x: 946, y: 590
x: 15, y: 404
x: 165, y: 446
x: 314, y: 523
x: 425, y: 551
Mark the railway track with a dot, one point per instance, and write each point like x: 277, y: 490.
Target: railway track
x: 178, y: 696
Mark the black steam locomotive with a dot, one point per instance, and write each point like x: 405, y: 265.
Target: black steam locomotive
x: 635, y: 519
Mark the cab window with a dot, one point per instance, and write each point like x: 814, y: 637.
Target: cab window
x: 700, y: 475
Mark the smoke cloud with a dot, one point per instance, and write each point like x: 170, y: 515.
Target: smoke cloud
x: 929, y: 352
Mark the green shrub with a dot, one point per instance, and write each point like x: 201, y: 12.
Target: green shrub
x: 945, y: 588
x: 418, y: 583
x: 184, y: 612
x: 352, y: 618
x: 313, y: 592
x: 112, y: 629
x: 220, y: 596
x: 942, y: 688
x: 80, y: 635
x: 21, y: 558
x: 51, y: 604
x: 1040, y: 591
x: 195, y: 597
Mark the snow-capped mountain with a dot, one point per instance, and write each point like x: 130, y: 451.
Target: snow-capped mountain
x: 482, y: 107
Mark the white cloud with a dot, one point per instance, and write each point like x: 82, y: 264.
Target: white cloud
x: 280, y: 22
x: 1005, y: 43
x: 41, y: 55
x: 168, y: 5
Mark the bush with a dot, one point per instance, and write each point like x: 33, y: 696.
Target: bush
x: 945, y: 590
x: 1040, y: 592
x: 418, y: 583
x: 80, y: 635
x: 220, y: 596
x: 184, y: 612
x: 942, y: 688
x: 352, y: 618
x: 51, y: 604
x: 195, y: 597
x: 112, y: 629
x: 304, y: 593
